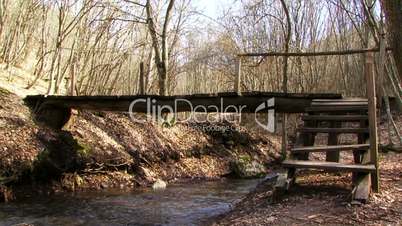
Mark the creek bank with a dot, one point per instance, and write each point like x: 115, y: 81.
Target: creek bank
x: 324, y: 199
x: 103, y: 150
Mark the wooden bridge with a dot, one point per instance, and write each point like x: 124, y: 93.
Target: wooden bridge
x: 324, y: 113
x: 55, y: 111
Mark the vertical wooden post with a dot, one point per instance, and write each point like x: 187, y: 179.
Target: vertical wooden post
x: 372, y: 112
x: 142, y: 79
x: 237, y: 84
x: 333, y: 156
x: 284, y: 135
x: 72, y: 76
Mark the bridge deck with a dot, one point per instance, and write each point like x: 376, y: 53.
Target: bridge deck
x: 289, y: 103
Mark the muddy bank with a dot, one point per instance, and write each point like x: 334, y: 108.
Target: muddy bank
x: 99, y: 150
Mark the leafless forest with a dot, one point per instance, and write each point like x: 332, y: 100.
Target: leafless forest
x: 91, y: 47
x: 314, y: 54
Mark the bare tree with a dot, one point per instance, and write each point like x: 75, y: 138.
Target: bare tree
x: 160, y: 45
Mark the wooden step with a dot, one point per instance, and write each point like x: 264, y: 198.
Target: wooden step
x: 331, y: 166
x: 331, y: 148
x: 339, y: 103
x: 333, y: 130
x: 342, y: 100
x: 338, y: 108
x: 342, y: 118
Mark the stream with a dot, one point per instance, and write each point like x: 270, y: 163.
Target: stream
x: 179, y: 204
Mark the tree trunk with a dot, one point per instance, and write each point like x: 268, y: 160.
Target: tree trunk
x: 161, y: 49
x: 393, y: 13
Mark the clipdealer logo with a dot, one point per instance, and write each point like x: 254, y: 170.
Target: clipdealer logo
x: 158, y: 111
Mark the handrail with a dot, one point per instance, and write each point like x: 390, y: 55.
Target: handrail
x: 325, y: 53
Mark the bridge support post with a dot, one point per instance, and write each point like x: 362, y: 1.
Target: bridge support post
x: 52, y: 116
x: 372, y: 112
x: 142, y: 79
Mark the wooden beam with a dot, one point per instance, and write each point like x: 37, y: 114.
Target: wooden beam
x: 334, y: 130
x: 237, y: 84
x: 338, y: 108
x: 331, y: 148
x: 362, y: 181
x: 288, y: 103
x: 339, y: 103
x: 341, y: 118
x: 372, y: 111
x: 362, y: 189
x: 343, y: 100
x: 305, y: 54
x: 329, y: 166
x: 142, y: 79
x: 333, y: 156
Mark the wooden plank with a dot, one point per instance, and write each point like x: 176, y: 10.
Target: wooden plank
x: 285, y: 103
x: 362, y: 189
x: 343, y: 100
x: 334, y: 103
x: 342, y: 118
x: 362, y: 181
x: 334, y: 130
x: 332, y: 166
x: 310, y: 96
x: 372, y: 112
x: 354, y: 108
x: 332, y: 148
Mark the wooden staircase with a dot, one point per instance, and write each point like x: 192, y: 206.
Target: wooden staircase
x: 335, y: 117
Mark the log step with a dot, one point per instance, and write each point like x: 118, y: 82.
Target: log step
x: 334, y: 130
x: 338, y: 108
x: 331, y: 166
x: 342, y: 118
x: 331, y: 148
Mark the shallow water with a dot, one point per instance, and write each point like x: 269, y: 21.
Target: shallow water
x: 179, y: 204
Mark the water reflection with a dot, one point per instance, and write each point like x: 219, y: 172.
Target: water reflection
x: 179, y: 204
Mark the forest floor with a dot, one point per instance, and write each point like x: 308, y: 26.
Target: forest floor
x: 324, y: 199
x: 101, y: 150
